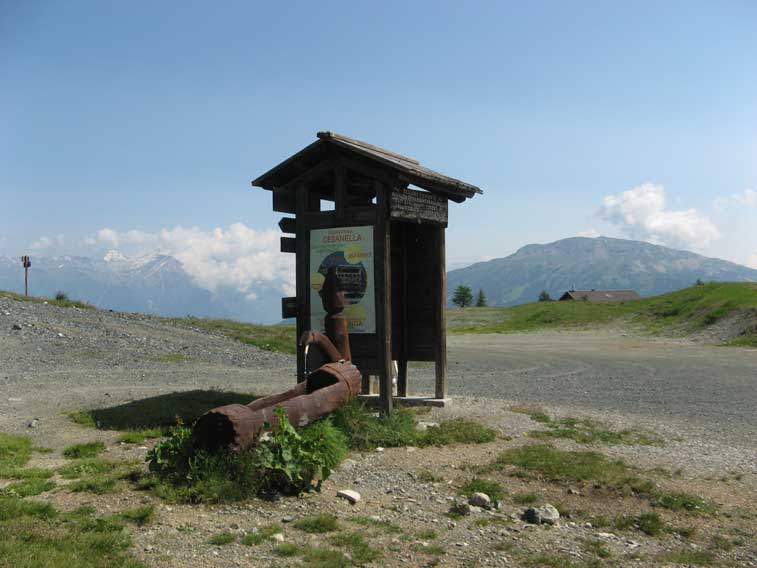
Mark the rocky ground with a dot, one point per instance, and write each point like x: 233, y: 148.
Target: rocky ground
x: 55, y: 360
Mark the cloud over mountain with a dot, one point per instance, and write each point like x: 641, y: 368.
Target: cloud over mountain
x: 238, y: 257
x: 641, y: 213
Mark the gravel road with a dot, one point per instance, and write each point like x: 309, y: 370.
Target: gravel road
x: 697, y: 386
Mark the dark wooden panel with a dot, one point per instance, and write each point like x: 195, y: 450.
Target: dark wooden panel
x: 288, y: 225
x: 284, y: 200
x: 418, y: 206
x: 288, y: 244
x: 289, y: 307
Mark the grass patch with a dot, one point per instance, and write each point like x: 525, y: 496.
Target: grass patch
x: 648, y: 523
x: 268, y: 337
x: 427, y: 476
x: 558, y: 465
x: 689, y: 557
x: 222, y: 539
x: 380, y: 524
x: 494, y: 490
x: 321, y: 557
x: 431, y: 549
x: 15, y: 451
x: 99, y: 485
x: 457, y: 431
x: 596, y: 548
x: 27, y: 488
x: 86, y: 450
x: 360, y: 551
x: 287, y: 549
x: 140, y: 436
x: 318, y: 524
x: 528, y: 498
x: 587, y: 431
x: 158, y: 412
x: 94, y: 466
x: 36, y: 534
x: 61, y: 300
x: 139, y: 516
x: 263, y: 534
x: 366, y: 431
x: 680, y: 501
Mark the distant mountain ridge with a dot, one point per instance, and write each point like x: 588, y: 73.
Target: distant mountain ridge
x: 155, y: 283
x: 587, y: 263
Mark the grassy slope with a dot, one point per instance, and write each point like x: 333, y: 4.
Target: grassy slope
x: 63, y: 303
x: 686, y: 310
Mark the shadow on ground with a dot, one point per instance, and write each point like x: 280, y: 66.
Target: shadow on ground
x: 162, y: 411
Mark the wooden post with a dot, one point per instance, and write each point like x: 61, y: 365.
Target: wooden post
x: 402, y: 361
x: 301, y: 275
x: 382, y: 241
x: 440, y: 317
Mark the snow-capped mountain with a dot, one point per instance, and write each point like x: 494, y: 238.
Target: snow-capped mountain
x: 155, y: 283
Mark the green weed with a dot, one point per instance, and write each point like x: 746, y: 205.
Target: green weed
x: 494, y: 490
x: 318, y: 524
x: 86, y: 450
x: 222, y: 538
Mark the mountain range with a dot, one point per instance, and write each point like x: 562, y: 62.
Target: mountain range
x: 583, y: 263
x: 158, y: 283
x: 153, y: 284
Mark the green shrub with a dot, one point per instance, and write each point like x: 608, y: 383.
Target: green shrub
x: 287, y: 462
x: 318, y: 524
x: 457, y: 431
x: 365, y: 431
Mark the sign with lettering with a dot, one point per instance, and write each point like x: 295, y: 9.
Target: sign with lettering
x: 26, y: 261
x: 350, y: 251
x: 418, y: 206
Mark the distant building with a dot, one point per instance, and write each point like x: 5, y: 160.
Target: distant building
x: 600, y: 295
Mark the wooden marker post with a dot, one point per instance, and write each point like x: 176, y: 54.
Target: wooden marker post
x: 27, y: 262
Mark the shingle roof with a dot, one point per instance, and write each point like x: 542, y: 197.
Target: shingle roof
x: 601, y: 295
x: 407, y: 169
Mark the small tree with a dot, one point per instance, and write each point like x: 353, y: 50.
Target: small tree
x: 544, y: 296
x: 463, y: 296
x: 699, y: 282
x: 481, y: 299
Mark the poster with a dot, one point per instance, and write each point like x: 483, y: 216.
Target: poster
x: 350, y: 250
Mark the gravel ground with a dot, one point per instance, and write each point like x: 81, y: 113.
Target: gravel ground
x: 701, y: 400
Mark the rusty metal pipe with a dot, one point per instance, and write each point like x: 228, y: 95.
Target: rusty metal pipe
x: 237, y: 426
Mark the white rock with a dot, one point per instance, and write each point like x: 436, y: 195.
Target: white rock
x: 278, y: 537
x: 549, y: 514
x: 351, y: 496
x: 480, y: 500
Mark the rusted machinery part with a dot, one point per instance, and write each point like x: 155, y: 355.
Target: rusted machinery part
x: 237, y: 426
x: 277, y: 398
x: 315, y: 339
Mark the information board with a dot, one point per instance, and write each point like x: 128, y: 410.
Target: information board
x: 350, y: 251
x: 419, y: 206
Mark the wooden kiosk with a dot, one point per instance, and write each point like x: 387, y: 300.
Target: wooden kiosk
x: 354, y: 209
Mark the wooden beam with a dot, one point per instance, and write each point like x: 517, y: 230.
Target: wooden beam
x: 402, y: 362
x: 310, y: 174
x: 284, y: 200
x: 288, y: 244
x: 383, y: 250
x: 340, y: 191
x: 440, y: 318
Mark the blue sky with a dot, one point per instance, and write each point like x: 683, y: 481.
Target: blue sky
x: 624, y: 119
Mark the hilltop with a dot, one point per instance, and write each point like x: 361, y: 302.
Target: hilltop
x: 585, y: 263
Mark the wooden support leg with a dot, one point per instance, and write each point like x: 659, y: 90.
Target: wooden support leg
x: 441, y: 320
x: 402, y: 377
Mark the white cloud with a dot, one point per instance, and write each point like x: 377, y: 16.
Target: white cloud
x: 239, y: 256
x: 45, y: 243
x: 752, y: 262
x: 590, y: 233
x: 640, y: 212
x: 747, y: 198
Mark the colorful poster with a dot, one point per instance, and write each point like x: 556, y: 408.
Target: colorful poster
x: 350, y: 250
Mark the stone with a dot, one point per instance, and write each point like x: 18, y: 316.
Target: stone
x: 16, y: 327
x: 480, y: 500
x: 549, y: 514
x: 351, y: 496
x: 33, y: 423
x: 287, y: 519
x: 532, y: 516
x: 426, y: 425
x: 278, y: 537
